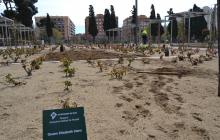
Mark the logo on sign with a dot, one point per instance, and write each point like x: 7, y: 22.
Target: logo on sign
x: 53, y: 115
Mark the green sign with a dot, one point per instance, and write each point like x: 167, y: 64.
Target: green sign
x: 64, y: 124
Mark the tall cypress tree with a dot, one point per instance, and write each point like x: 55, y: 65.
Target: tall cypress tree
x: 159, y: 24
x: 154, y: 26
x: 92, y: 23
x: 49, y: 26
x: 106, y: 23
x: 113, y: 21
x: 174, y: 24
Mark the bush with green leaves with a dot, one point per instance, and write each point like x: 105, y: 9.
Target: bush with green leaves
x: 35, y: 64
x: 17, y: 53
x: 130, y: 60
x: 66, y: 64
x: 10, y: 80
x: 118, y: 72
x: 67, y: 85
x: 69, y: 71
x: 28, y: 69
x: 120, y: 60
x: 143, y: 48
x: 100, y: 65
x: 67, y: 103
x: 31, y: 51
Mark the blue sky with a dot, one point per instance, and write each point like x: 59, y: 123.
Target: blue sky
x: 77, y: 10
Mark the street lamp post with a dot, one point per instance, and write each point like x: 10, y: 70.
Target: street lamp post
x: 218, y: 13
x: 136, y: 26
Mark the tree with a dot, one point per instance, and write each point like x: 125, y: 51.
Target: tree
x: 23, y: 11
x: 48, y: 24
x: 9, y: 12
x: 106, y: 23
x: 92, y: 23
x: 174, y: 24
x: 154, y: 26
x: 57, y: 35
x: 159, y: 24
x: 26, y: 10
x: 181, y: 34
x: 198, y: 25
x: 113, y: 21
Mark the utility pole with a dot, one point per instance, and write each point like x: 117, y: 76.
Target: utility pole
x: 218, y: 13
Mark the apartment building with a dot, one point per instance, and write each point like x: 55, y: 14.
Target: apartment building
x: 62, y: 23
x: 127, y: 28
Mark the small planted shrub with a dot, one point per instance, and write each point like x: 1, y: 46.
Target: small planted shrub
x: 118, y: 73
x: 194, y: 61
x: 100, y: 65
x: 4, y: 56
x: 121, y: 60
x: 66, y: 64
x: 89, y: 60
x: 145, y: 61
x: 173, y: 51
x: 68, y: 104
x: 35, y: 65
x: 40, y: 60
x: 157, y: 50
x: 181, y: 57
x: 201, y: 58
x: 130, y: 60
x: 189, y: 54
x: 143, y: 48
x: 16, y: 54
x: 69, y: 71
x: 67, y: 85
x: 29, y: 52
x: 11, y: 80
x: 28, y: 69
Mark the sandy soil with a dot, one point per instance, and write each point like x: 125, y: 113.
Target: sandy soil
x: 139, y: 107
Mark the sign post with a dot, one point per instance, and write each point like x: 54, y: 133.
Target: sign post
x: 64, y: 124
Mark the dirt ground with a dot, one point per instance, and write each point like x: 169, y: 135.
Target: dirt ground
x: 84, y: 54
x: 141, y: 106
